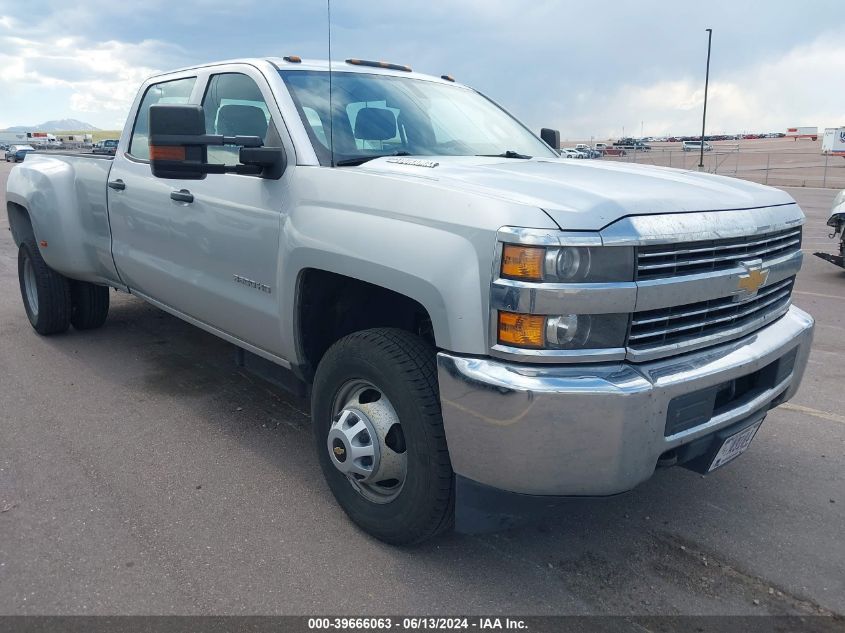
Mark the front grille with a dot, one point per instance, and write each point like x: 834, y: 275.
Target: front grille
x: 672, y: 260
x: 687, y: 323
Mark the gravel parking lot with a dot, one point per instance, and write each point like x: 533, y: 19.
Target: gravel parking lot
x: 141, y: 472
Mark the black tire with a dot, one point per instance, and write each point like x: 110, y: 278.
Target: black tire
x: 90, y: 305
x: 50, y: 312
x: 403, y: 367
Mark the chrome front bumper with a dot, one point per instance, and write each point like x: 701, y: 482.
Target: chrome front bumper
x: 595, y: 430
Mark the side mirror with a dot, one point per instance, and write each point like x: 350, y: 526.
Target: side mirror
x: 271, y: 160
x: 176, y: 146
x: 551, y: 137
x: 179, y: 147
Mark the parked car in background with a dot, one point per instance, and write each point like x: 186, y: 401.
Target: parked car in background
x: 16, y: 153
x: 608, y: 150
x: 574, y: 153
x: 631, y: 143
x: 586, y: 149
x: 108, y: 147
x: 695, y: 146
x: 570, y: 152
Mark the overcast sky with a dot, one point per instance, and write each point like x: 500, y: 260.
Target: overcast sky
x: 588, y: 67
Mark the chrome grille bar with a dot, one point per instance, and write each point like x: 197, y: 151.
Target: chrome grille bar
x: 681, y: 324
x: 655, y: 262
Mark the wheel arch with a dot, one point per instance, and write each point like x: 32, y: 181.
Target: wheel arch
x: 19, y: 222
x: 330, y: 305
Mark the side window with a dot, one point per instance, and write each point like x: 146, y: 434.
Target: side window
x: 177, y: 91
x: 234, y: 106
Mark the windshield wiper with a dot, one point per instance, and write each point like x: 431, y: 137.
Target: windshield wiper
x: 507, y: 154
x: 360, y: 160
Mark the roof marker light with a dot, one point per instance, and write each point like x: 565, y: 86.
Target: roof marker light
x: 447, y: 78
x: 293, y: 59
x: 366, y: 62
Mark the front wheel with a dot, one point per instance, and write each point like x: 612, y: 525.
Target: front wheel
x: 379, y: 435
x: 45, y: 293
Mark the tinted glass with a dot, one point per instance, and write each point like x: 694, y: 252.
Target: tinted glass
x: 177, y: 91
x: 399, y: 114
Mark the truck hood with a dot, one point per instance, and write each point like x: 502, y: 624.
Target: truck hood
x: 586, y: 194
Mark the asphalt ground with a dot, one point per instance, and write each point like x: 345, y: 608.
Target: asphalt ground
x: 141, y: 472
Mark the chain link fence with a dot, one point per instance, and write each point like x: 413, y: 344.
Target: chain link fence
x: 785, y: 168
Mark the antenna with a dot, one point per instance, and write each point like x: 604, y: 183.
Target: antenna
x: 331, y: 105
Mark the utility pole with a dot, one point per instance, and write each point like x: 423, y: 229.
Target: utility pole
x: 706, y: 83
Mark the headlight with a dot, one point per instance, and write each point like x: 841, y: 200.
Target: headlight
x: 566, y: 331
x: 568, y: 264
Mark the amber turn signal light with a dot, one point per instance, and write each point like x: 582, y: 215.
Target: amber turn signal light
x: 521, y: 330
x: 523, y: 262
x: 167, y: 152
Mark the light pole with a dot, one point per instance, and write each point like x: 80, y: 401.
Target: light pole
x: 706, y: 82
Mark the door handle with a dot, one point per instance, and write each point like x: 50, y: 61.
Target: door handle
x: 183, y: 195
x: 118, y: 184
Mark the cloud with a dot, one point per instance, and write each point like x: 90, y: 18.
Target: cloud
x: 99, y: 78
x: 798, y: 87
x: 588, y: 68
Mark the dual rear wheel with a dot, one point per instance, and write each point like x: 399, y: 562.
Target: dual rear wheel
x: 52, y: 301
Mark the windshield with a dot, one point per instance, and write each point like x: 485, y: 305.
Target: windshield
x: 379, y: 115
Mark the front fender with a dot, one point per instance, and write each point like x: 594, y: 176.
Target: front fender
x: 446, y: 283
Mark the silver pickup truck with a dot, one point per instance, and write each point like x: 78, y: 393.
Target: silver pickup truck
x: 481, y: 325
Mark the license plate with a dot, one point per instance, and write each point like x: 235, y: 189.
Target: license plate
x: 734, y: 446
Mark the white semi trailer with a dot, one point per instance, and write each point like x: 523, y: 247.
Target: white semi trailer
x: 802, y: 132
x: 36, y: 139
x: 833, y: 141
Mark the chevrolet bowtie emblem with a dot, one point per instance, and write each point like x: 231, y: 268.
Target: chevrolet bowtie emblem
x: 752, y: 280
x: 339, y: 451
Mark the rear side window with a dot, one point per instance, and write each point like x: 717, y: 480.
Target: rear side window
x: 176, y: 91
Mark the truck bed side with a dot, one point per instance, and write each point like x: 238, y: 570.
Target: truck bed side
x: 61, y: 198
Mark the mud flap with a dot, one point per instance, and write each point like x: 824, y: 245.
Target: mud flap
x: 481, y: 509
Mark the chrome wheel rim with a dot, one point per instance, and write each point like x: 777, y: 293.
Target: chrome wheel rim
x: 366, y: 443
x: 30, y: 286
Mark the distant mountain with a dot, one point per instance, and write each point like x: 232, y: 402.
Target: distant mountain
x: 60, y: 125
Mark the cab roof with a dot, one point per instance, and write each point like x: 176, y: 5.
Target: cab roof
x: 282, y: 63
